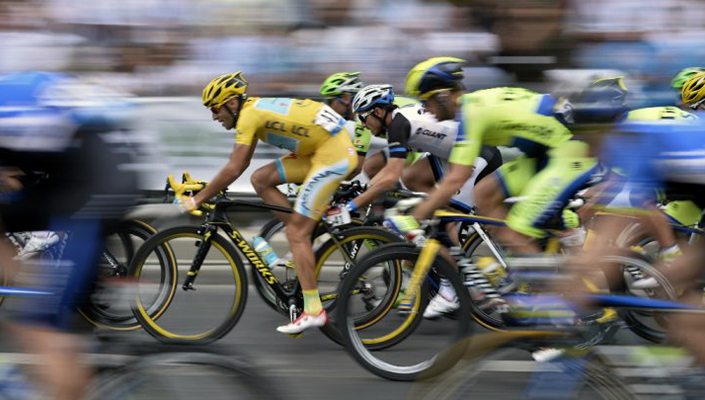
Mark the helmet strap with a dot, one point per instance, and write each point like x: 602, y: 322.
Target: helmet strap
x: 347, y: 107
x: 240, y: 100
x: 442, y: 99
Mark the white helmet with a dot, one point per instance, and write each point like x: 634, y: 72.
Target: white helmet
x: 371, y: 96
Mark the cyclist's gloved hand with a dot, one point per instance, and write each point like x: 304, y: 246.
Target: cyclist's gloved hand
x: 403, y: 224
x: 186, y: 204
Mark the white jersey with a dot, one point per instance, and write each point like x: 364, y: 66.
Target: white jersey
x: 422, y: 132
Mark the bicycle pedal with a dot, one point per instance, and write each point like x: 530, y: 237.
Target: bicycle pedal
x: 295, y: 335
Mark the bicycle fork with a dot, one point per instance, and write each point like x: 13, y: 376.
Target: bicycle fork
x: 203, y: 247
x: 423, y: 265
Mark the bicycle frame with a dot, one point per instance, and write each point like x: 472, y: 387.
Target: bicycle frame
x: 217, y: 218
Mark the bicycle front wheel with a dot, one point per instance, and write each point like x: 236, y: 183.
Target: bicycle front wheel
x: 205, y: 312
x: 369, y: 316
x: 494, y: 367
x: 183, y: 375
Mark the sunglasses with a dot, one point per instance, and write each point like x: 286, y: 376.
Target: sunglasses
x: 363, y: 115
x: 215, y: 110
x: 696, y: 106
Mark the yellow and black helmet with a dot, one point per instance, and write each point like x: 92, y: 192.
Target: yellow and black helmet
x: 693, y: 92
x: 223, y: 88
x: 434, y: 75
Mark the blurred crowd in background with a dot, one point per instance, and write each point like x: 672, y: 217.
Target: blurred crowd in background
x: 287, y: 47
x: 169, y: 49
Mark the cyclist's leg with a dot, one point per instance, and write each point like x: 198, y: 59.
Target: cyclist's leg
x: 545, y: 197
x: 507, y: 181
x: 419, y: 176
x: 330, y: 164
x: 41, y: 323
x: 374, y: 163
x: 488, y: 162
x: 287, y: 169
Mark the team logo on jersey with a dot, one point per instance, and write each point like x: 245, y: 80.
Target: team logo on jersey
x: 433, y: 134
x: 351, y: 151
x: 281, y: 126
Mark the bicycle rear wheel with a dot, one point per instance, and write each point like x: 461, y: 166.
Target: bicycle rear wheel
x: 370, y: 319
x: 197, y: 315
x: 105, y: 309
x: 183, y: 376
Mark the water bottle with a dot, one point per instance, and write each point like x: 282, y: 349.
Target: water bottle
x: 265, y: 251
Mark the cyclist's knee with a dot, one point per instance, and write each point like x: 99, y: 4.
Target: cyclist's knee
x: 263, y: 178
x: 299, y: 228
x: 488, y: 194
x: 373, y: 165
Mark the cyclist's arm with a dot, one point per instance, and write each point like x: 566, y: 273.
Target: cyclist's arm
x: 398, y: 136
x: 447, y: 187
x: 388, y: 177
x: 358, y: 168
x: 362, y: 140
x: 237, y: 164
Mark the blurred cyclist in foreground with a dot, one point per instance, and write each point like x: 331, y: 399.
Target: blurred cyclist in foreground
x: 51, y: 123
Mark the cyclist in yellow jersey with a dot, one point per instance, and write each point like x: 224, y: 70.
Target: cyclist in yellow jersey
x: 322, y: 155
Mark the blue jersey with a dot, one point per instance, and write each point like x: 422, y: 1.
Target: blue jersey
x: 653, y: 153
x: 42, y: 111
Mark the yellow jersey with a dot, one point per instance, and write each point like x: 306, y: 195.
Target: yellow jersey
x: 300, y: 126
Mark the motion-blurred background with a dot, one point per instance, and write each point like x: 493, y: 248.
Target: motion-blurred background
x: 162, y: 52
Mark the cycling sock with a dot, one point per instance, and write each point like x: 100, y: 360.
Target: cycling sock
x: 446, y: 290
x: 312, y: 302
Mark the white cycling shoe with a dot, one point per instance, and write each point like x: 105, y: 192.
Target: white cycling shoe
x: 645, y: 283
x: 305, y: 321
x: 439, y: 306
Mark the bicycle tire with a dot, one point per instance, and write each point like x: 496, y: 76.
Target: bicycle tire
x: 99, y: 317
x: 225, y: 377
x: 489, y: 353
x: 264, y: 290
x: 633, y: 318
x: 149, y: 321
x: 363, y: 353
x: 367, y: 236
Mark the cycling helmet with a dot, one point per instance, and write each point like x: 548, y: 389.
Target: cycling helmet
x: 340, y: 83
x: 693, y: 92
x: 603, y: 100
x: 372, y: 96
x: 433, y: 75
x: 223, y: 88
x: 684, y: 75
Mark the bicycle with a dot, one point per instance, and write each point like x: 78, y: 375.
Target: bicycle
x: 217, y: 266
x: 583, y: 369
x: 405, y: 299
x: 102, y: 310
